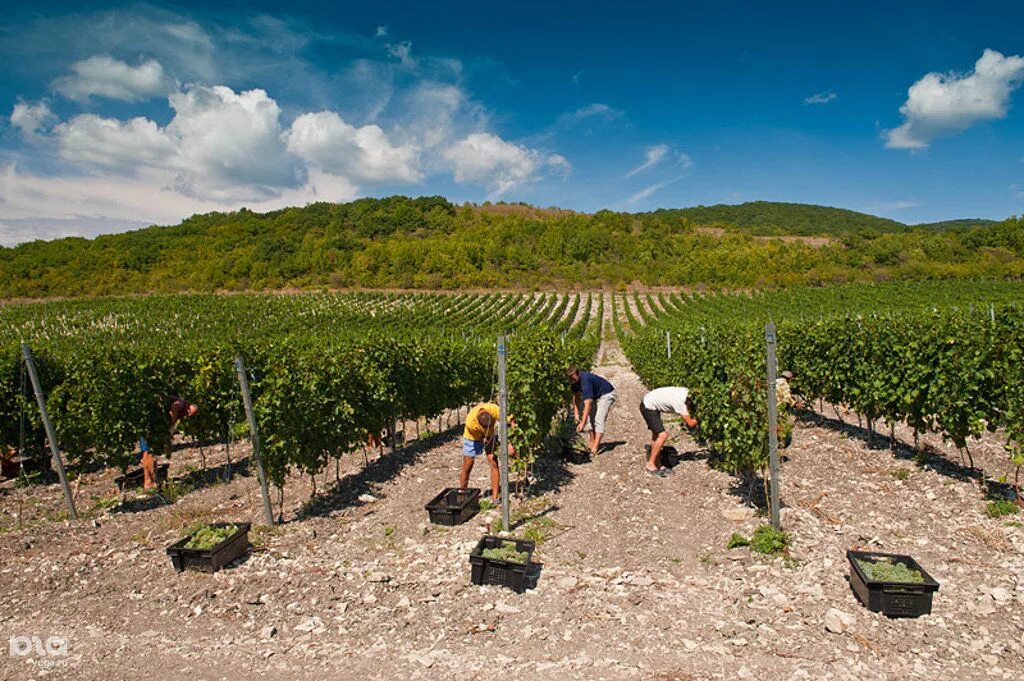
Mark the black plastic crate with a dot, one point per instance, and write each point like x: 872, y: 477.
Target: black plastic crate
x: 454, y: 506
x: 213, y: 559
x: 669, y: 455
x: 501, y: 572
x: 894, y: 599
x: 575, y: 455
x: 137, y: 477
x: 33, y: 465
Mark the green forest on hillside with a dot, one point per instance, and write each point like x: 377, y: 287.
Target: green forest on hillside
x: 773, y: 218
x: 429, y: 242
x: 768, y: 217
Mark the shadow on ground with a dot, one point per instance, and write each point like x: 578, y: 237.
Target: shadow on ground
x: 345, y: 493
x: 552, y: 472
x: 926, y: 458
x: 193, y: 481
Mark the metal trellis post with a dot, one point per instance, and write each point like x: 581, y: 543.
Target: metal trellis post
x: 503, y: 432
x: 243, y: 383
x: 773, y: 432
x: 51, y: 435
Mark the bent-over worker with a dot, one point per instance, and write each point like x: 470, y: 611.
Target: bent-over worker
x: 479, y: 437
x: 592, y: 399
x: 667, y: 400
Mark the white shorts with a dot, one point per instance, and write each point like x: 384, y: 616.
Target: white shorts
x: 599, y: 414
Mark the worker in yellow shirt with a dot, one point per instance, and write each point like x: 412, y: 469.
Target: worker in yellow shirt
x: 479, y: 437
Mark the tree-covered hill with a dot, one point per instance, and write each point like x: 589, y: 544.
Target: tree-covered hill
x: 429, y: 242
x: 769, y: 217
x: 957, y: 224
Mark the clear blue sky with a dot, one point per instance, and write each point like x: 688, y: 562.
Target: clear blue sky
x: 116, y: 115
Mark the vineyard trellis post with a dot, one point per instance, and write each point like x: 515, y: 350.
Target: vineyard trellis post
x: 51, y: 434
x: 773, y: 433
x: 503, y: 431
x: 394, y: 435
x: 668, y: 344
x: 243, y: 383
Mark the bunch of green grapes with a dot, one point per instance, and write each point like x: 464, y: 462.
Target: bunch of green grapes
x: 885, y: 571
x: 507, y: 552
x: 209, y: 536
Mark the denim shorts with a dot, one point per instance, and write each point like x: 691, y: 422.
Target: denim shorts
x: 472, y: 447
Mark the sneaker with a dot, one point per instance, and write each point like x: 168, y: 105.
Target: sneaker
x: 667, y: 471
x: 658, y: 472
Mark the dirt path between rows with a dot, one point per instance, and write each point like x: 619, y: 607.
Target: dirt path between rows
x: 636, y: 581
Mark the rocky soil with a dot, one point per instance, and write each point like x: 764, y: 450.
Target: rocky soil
x: 636, y: 580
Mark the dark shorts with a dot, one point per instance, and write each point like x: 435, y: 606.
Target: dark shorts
x: 653, y: 420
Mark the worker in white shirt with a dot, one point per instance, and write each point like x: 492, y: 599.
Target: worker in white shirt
x: 668, y: 400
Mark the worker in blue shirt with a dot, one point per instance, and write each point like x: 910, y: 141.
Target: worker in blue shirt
x: 592, y: 398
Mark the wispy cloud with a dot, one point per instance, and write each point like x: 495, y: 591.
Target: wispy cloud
x: 902, y: 205
x: 403, y: 52
x: 657, y: 154
x: 596, y: 110
x: 821, y: 98
x: 652, y: 157
x: 648, y: 191
x: 891, y: 206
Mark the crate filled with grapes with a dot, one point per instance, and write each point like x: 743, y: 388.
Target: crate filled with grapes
x: 210, y: 547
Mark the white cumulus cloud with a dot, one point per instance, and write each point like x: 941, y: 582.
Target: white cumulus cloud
x: 104, y: 76
x: 121, y: 146
x: 219, y: 145
x: 484, y: 158
x: 228, y: 139
x: 362, y: 154
x: 37, y: 206
x: 388, y: 115
x: 31, y: 119
x: 947, y: 103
